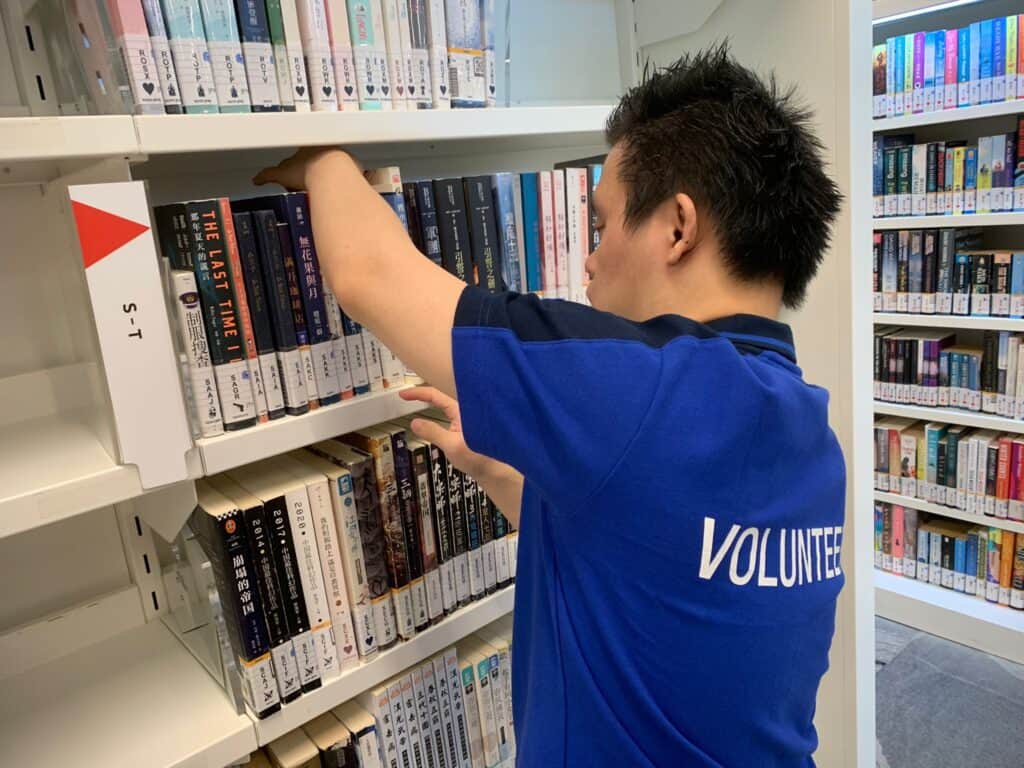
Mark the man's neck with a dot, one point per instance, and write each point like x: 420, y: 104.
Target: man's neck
x: 763, y: 301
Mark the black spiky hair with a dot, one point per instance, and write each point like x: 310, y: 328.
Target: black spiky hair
x: 743, y: 151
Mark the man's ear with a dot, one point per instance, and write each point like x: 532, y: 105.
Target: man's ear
x: 686, y: 229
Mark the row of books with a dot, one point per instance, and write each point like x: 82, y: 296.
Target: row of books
x: 260, y: 334
x: 323, y: 556
x: 985, y: 562
x: 948, y: 177
x: 937, y: 271
x: 201, y: 56
x: 451, y: 711
x: 926, y: 367
x: 949, y: 68
x: 977, y: 471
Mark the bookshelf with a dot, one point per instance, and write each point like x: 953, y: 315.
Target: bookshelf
x: 956, y: 616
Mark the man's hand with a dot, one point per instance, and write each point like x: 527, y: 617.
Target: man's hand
x: 295, y: 173
x: 500, y: 481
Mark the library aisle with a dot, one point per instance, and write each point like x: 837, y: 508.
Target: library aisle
x: 941, y: 703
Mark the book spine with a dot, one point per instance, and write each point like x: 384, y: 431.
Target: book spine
x: 335, y: 325
x: 438, y: 52
x: 970, y: 179
x: 233, y: 567
x: 1011, y: 58
x: 450, y: 740
x: 282, y: 62
x: 471, y: 709
x: 532, y: 232
x: 316, y: 46
x: 899, y: 56
x: 364, y: 55
x: 340, y: 40
x: 1010, y: 161
x: 486, y: 521
x: 890, y: 77
x: 226, y: 55
x: 311, y: 577
x: 549, y: 251
x: 376, y: 702
x: 396, y: 701
x: 279, y: 304
x: 216, y: 291
x: 457, y: 504
x: 999, y: 59
x: 963, y: 67
x: 485, y: 707
x: 168, y: 75
x: 466, y: 69
x: 504, y: 567
x: 187, y: 40
x: 420, y: 456
x: 282, y: 650
x: 918, y: 72
x: 395, y: 55
x: 424, y: 726
x: 440, y: 500
x: 577, y: 217
x: 335, y: 589
x: 202, y: 380
x: 258, y: 51
x: 950, y: 76
x: 560, y: 233
x: 269, y: 372
x: 287, y: 564
x: 294, y: 56
x: 930, y: 269
x: 408, y: 66
x: 985, y: 62
x: 974, y: 63
x: 904, y: 168
x: 890, y: 197
x: 424, y: 676
x: 488, y: 24
x: 226, y: 244
x: 1017, y: 574
x: 453, y: 228
x: 483, y: 233
x: 427, y: 213
x: 931, y: 177
x: 135, y: 48
x: 908, y: 73
x: 374, y: 360
x: 420, y: 91
x: 502, y: 192
x: 474, y: 542
x: 353, y: 333
x: 311, y: 288
x: 1018, y: 175
x: 919, y: 179
x: 410, y: 516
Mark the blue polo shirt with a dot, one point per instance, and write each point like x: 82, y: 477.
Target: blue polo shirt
x: 680, y: 531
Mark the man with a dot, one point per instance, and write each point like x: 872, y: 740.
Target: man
x: 678, y: 490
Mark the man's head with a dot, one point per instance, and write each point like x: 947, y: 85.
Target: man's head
x: 713, y: 198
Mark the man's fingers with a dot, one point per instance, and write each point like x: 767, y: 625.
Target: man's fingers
x: 433, y: 432
x: 434, y: 397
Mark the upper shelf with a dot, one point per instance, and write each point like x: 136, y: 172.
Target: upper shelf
x: 48, y: 138
x: 959, y: 220
x: 959, y: 115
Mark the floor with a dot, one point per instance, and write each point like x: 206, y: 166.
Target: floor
x: 943, y: 705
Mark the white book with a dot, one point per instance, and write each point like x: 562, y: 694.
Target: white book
x: 410, y: 708
x: 342, y: 366
x: 374, y: 365
x: 170, y: 90
x: 481, y: 666
x: 363, y: 727
x: 350, y: 545
x: 420, y: 90
x: 923, y: 550
x: 501, y: 658
x: 202, y: 381
x: 502, y: 564
x: 488, y: 25
x: 438, y: 52
x: 490, y: 566
x: 395, y: 54
x: 392, y: 368
x: 502, y: 722
x: 340, y: 39
x: 561, y: 244
x: 549, y: 267
x: 460, y: 715
x: 412, y: 92
x: 398, y: 718
x: 477, y: 585
x: 424, y: 721
x: 316, y: 45
x: 298, y: 77
x: 471, y: 711
x: 451, y: 742
x: 376, y: 701
x: 329, y: 548
x: 512, y: 539
x: 435, y: 719
x: 918, y: 180
x: 577, y: 218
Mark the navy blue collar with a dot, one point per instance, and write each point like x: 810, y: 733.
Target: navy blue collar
x: 756, y: 333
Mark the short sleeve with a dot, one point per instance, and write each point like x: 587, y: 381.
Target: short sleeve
x: 556, y: 389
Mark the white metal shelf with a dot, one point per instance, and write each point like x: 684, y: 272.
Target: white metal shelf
x: 164, y: 134
x: 139, y: 698
x: 956, y: 616
x: 959, y: 115
x: 962, y: 220
x: 966, y: 322
x: 232, y: 449
x: 51, y: 138
x: 950, y: 416
x: 387, y: 664
x: 942, y: 509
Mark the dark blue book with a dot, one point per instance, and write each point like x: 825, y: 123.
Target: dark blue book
x: 531, y: 230
x: 483, y: 233
x: 453, y: 228
x: 279, y: 309
x: 427, y: 213
x: 174, y: 235
x: 409, y: 506
x: 259, y: 312
x: 412, y: 214
x: 260, y: 65
x: 504, y: 190
x: 353, y: 332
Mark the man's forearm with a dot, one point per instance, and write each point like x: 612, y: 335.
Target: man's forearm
x: 504, y: 486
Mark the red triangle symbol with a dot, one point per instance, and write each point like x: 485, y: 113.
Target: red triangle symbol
x: 101, y: 233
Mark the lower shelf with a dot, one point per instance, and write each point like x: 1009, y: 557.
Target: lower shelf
x: 953, y: 615
x: 463, y: 622
x: 137, y: 699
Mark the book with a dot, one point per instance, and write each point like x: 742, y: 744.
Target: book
x: 221, y: 533
x: 577, y: 220
x: 396, y: 45
x: 164, y: 60
x: 368, y: 55
x: 963, y: 67
x: 548, y: 239
x: 258, y: 51
x: 412, y: 720
x: 187, y: 40
x: 340, y: 41
x: 453, y: 228
x: 438, y: 52
x: 332, y: 740
x: 985, y: 60
x: 1012, y: 32
x: 483, y: 233
x: 284, y: 63
x: 293, y: 750
x: 507, y: 193
x: 560, y: 233
x: 268, y: 583
x: 950, y: 74
x: 269, y: 378
x: 517, y: 208
x: 466, y: 68
x: 423, y: 476
x: 295, y: 53
x: 451, y: 742
x: 376, y: 701
x: 473, y: 702
x: 226, y: 58
x: 424, y: 721
x: 316, y: 46
x: 532, y: 232
x: 336, y: 327
x: 363, y: 729
x: 488, y: 24
x: 420, y: 89
x: 135, y: 48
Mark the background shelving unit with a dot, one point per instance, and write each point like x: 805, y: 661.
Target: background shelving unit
x: 96, y: 656
x: 955, y: 616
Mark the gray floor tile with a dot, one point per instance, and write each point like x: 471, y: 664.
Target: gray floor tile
x: 890, y: 639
